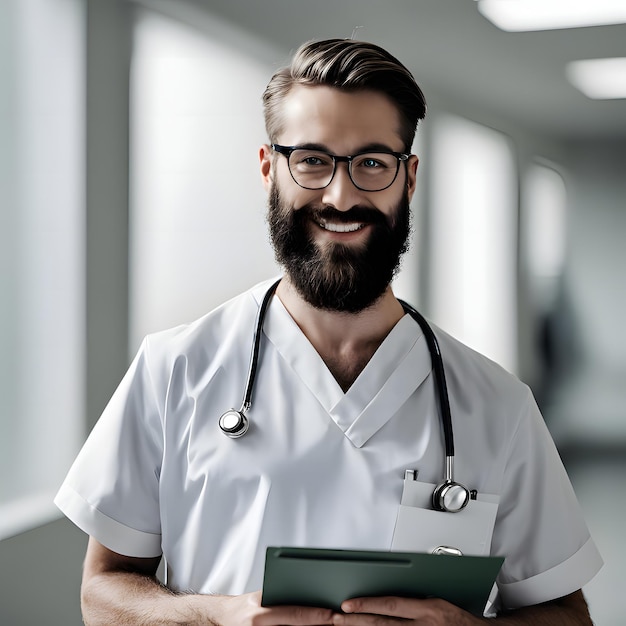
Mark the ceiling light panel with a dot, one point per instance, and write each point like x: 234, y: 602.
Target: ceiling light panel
x: 529, y: 15
x: 600, y: 79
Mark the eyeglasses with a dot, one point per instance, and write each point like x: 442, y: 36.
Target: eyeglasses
x: 368, y: 171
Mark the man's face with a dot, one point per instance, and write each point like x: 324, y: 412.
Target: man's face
x: 339, y: 245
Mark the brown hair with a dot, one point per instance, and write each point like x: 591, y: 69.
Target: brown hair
x: 349, y: 65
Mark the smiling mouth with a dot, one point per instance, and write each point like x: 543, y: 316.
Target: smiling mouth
x: 340, y: 227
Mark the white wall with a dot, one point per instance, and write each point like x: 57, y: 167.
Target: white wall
x: 42, y: 266
x: 42, y: 312
x: 597, y: 254
x: 472, y: 236
x: 590, y: 403
x: 198, y: 235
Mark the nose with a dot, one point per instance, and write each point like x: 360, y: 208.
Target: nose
x: 341, y: 193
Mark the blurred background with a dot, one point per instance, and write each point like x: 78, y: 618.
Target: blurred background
x: 130, y: 201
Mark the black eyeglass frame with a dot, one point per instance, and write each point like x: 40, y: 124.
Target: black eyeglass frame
x: 286, y: 151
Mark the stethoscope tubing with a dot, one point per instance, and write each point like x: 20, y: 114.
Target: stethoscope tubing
x: 256, y: 344
x: 440, y: 376
x: 449, y: 495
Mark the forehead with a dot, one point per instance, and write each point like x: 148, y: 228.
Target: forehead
x: 342, y: 121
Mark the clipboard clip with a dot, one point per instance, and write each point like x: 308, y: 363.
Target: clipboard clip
x: 447, y: 551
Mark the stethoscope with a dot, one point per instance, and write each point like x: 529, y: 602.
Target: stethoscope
x: 449, y: 495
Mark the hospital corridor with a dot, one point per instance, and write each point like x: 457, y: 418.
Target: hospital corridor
x: 131, y: 201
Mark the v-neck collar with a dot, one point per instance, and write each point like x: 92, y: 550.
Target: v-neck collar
x: 397, y: 368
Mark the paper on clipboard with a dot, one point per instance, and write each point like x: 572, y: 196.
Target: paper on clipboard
x: 325, y: 578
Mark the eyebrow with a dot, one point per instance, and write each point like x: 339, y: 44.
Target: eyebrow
x: 370, y: 147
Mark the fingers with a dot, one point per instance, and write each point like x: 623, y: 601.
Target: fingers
x: 407, y: 608
x: 297, y: 616
x: 390, y: 610
x: 246, y: 610
x: 290, y: 615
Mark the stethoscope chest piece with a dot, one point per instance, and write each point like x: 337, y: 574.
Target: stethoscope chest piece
x: 234, y: 424
x: 450, y: 497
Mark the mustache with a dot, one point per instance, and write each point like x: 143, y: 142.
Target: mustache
x: 366, y: 215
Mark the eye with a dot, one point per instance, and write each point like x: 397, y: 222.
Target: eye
x: 369, y: 162
x: 308, y: 159
x: 374, y: 161
x: 312, y: 160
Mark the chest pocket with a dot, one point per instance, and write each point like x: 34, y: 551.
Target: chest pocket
x: 419, y: 528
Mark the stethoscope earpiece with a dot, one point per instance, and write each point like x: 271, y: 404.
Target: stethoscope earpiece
x: 234, y: 424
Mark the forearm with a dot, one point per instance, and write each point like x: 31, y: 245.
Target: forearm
x: 125, y: 598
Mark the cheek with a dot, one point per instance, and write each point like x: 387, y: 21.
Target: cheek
x: 388, y: 206
x: 295, y: 197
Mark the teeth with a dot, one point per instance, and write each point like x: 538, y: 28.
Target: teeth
x: 341, y: 227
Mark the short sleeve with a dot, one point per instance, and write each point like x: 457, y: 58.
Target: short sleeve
x: 540, y: 529
x: 112, y: 490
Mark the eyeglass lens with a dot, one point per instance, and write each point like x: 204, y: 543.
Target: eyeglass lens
x: 372, y: 171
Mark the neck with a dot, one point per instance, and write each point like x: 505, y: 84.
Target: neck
x: 345, y: 341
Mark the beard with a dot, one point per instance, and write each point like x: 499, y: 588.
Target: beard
x: 334, y: 276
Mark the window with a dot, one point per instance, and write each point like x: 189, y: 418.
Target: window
x: 472, y: 238
x: 544, y: 232
x: 41, y: 250
x: 198, y: 234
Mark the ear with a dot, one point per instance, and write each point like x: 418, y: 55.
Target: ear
x: 411, y: 171
x: 266, y: 155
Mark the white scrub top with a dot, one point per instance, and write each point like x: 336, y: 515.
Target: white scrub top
x: 318, y: 467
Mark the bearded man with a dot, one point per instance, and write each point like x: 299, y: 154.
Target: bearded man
x: 341, y: 399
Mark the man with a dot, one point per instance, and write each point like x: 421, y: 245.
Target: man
x: 343, y: 403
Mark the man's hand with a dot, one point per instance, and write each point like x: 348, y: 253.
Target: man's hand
x: 246, y: 610
x: 570, y: 610
x: 391, y: 610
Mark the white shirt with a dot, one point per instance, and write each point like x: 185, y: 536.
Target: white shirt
x: 318, y: 467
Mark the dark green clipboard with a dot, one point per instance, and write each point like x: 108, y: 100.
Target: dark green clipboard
x: 325, y: 578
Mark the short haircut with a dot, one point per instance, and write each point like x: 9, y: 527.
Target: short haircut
x: 348, y: 65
